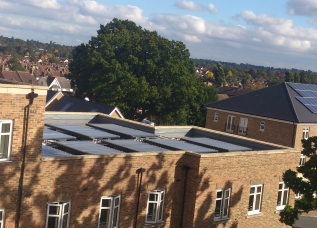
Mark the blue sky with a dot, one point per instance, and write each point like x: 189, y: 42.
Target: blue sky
x: 280, y: 33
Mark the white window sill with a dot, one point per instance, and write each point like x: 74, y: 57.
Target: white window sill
x: 5, y: 160
x: 220, y: 220
x: 254, y: 214
x: 279, y: 208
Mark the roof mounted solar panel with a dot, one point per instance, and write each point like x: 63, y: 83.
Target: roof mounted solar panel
x: 131, y: 145
x: 308, y: 102
x: 83, y: 131
x: 87, y: 147
x: 117, y: 129
x: 55, y: 135
x: 180, y: 145
x: 217, y: 144
x: 302, y: 87
x: 52, y: 152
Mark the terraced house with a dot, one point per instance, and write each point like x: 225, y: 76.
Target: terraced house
x: 70, y: 169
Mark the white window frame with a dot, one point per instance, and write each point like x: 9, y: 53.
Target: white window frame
x: 305, y: 133
x: 262, y: 125
x: 302, y: 160
x: 5, y: 155
x: 230, y: 123
x: 216, y: 117
x: 223, y: 201
x: 255, y: 203
x: 113, y: 218
x: 243, y: 125
x: 157, y: 204
x: 2, y: 214
x: 62, y: 215
x: 282, y: 198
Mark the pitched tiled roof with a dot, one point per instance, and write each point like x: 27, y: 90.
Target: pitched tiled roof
x: 277, y: 102
x: 10, y: 75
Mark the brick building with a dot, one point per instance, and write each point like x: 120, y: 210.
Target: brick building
x: 283, y: 114
x: 67, y: 169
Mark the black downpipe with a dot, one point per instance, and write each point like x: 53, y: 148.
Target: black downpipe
x: 140, y: 172
x: 31, y: 97
x: 186, y: 168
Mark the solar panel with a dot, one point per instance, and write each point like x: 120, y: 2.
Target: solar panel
x: 180, y: 145
x: 308, y: 102
x: 52, y: 152
x: 217, y: 144
x: 117, y: 129
x: 87, y: 147
x: 300, y: 86
x: 83, y: 131
x: 55, y: 135
x: 136, y: 146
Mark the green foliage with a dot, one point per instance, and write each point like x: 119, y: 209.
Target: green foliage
x: 304, y: 184
x: 133, y: 68
x: 289, y: 77
x: 303, y: 77
x: 14, y: 65
x: 219, y: 75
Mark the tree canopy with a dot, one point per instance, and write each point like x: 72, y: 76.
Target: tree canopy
x: 136, y: 69
x: 303, y: 182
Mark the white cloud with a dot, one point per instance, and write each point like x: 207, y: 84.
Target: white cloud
x: 302, y: 7
x: 190, y: 5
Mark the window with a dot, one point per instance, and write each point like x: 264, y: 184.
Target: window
x: 230, y: 123
x: 262, y: 125
x: 302, y: 160
x: 282, y: 197
x: 155, y: 206
x: 222, y: 204
x: 1, y: 217
x: 216, y: 117
x: 58, y: 215
x: 255, y: 199
x: 305, y: 133
x: 243, y: 124
x: 5, y: 139
x: 109, y: 211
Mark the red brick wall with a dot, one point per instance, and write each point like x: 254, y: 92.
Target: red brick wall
x: 277, y: 132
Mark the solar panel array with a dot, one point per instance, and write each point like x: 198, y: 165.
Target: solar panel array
x: 136, y: 146
x: 180, y: 145
x: 117, y: 129
x: 308, y: 93
x: 52, y: 152
x: 83, y: 131
x: 217, y: 144
x: 87, y: 147
x: 55, y: 135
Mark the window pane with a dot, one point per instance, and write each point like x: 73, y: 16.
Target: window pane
x: 104, y: 216
x: 279, y: 198
x: 115, y: 216
x: 52, y: 222
x: 252, y: 189
x: 219, y: 194
x: 153, y: 197
x: 65, y: 218
x: 285, y: 197
x: 1, y: 216
x: 160, y: 215
x: 5, y: 128
x: 54, y: 210
x: 151, y: 214
x: 227, y: 193
x: 4, y: 146
x: 258, y: 189
x: 218, y: 208
x: 251, y: 203
x: 106, y: 203
x: 66, y: 206
x: 280, y: 186
x: 257, y: 202
x: 116, y: 201
x: 225, y: 207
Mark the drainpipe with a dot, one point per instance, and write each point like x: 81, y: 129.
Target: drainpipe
x: 31, y: 97
x: 186, y: 168
x: 140, y: 173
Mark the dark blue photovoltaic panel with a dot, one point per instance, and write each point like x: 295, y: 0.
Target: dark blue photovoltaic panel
x: 88, y: 147
x: 84, y: 131
x: 217, y: 144
x: 122, y: 130
x: 55, y: 135
x: 308, y: 102
x: 52, y: 152
x: 299, y: 86
x: 181, y: 145
x: 136, y: 146
x: 304, y: 93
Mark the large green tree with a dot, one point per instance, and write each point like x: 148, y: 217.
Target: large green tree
x: 289, y: 77
x: 136, y: 69
x: 303, y: 182
x: 219, y: 75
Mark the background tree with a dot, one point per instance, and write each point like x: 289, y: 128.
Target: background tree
x: 289, y: 77
x: 136, y: 69
x: 219, y: 75
x: 304, y: 184
x: 303, y: 77
x: 296, y: 77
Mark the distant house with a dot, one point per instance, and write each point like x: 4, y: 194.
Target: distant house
x: 225, y: 92
x: 282, y: 114
x: 56, y: 101
x: 19, y: 76
x: 59, y: 84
